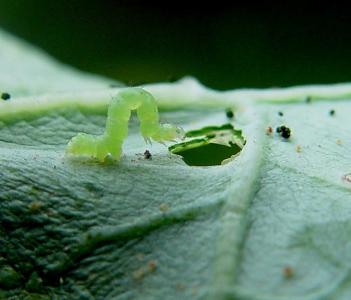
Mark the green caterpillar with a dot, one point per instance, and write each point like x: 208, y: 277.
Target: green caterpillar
x: 110, y: 143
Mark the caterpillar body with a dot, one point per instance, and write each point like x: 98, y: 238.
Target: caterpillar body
x: 116, y: 131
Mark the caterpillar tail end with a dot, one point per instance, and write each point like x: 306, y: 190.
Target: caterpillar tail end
x: 81, y: 144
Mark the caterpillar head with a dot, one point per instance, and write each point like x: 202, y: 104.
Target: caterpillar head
x: 168, y: 132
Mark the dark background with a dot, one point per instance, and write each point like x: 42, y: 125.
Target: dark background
x: 223, y: 46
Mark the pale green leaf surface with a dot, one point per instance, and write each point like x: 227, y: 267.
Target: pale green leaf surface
x: 159, y: 229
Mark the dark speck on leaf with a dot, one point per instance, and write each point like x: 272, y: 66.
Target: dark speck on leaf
x: 147, y: 154
x: 280, y: 113
x: 269, y: 130
x: 332, y: 112
x: 152, y: 265
x: 35, y: 206
x: 347, y: 178
x: 308, y: 99
x: 229, y: 113
x: 288, y: 272
x: 284, y: 131
x: 5, y: 96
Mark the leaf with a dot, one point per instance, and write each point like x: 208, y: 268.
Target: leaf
x: 211, y: 145
x: 274, y: 223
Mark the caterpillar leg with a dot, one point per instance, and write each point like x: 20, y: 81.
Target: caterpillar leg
x: 108, y: 147
x: 116, y: 151
x: 102, y: 148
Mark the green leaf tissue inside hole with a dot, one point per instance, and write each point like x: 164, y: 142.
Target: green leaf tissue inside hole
x: 210, y: 146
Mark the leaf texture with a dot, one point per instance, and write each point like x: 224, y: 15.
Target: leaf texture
x: 272, y: 224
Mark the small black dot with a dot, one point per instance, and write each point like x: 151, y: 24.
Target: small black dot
x: 332, y: 112
x: 147, y: 154
x: 5, y: 96
x: 284, y: 131
x: 229, y: 113
x: 280, y: 113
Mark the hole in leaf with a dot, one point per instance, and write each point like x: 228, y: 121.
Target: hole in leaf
x: 210, y: 146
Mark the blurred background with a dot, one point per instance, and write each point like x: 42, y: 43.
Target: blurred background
x: 223, y: 46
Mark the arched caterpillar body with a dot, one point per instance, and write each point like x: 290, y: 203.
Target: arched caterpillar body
x: 119, y: 111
